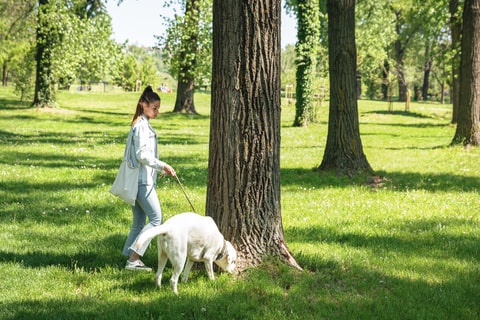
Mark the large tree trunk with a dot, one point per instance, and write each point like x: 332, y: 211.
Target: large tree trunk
x: 243, y: 193
x: 186, y: 77
x: 456, y: 30
x: 468, y: 126
x: 44, y: 81
x: 184, y: 101
x: 344, y: 151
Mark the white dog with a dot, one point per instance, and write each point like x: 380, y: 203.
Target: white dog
x: 190, y: 237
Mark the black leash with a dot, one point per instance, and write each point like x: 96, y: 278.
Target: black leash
x: 185, y: 194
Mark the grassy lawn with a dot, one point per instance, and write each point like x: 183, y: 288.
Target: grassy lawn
x: 408, y: 248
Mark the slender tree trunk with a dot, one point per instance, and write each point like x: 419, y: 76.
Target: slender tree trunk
x: 385, y: 79
x: 5, y: 73
x: 306, y: 51
x: 456, y: 30
x: 344, y: 151
x: 427, y: 67
x: 400, y: 65
x: 186, y: 79
x: 468, y: 126
x: 243, y: 192
x: 442, y: 86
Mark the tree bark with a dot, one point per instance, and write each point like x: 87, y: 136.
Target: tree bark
x: 344, y: 151
x: 185, y: 96
x: 243, y: 192
x: 456, y: 30
x: 468, y: 126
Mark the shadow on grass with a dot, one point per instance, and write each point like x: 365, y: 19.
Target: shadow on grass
x: 11, y: 104
x: 96, y: 255
x: 401, y: 181
x: 418, y: 238
x: 98, y: 137
x: 336, y: 291
x: 400, y: 113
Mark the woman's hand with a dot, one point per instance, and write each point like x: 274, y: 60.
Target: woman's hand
x: 169, y: 170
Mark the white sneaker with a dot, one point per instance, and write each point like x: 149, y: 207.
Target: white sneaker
x: 137, y: 265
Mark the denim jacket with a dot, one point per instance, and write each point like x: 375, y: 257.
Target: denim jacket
x: 144, y: 151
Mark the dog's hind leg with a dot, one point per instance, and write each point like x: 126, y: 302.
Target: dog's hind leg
x: 186, y: 271
x: 162, y: 261
x: 178, y: 262
x: 177, y: 269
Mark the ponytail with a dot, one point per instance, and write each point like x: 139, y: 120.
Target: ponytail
x: 148, y: 96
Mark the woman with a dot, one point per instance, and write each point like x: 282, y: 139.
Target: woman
x: 144, y: 152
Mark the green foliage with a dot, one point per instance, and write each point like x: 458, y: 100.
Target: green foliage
x: 403, y: 247
x: 374, y: 35
x: 17, y: 21
x: 97, y: 56
x: 23, y: 72
x: 288, y: 67
x: 137, y: 63
x: 129, y: 73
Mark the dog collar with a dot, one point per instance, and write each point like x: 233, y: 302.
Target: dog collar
x: 224, y: 251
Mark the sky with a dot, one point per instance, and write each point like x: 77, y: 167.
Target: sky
x: 139, y: 20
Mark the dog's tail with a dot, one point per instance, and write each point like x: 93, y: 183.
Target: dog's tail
x: 148, y: 234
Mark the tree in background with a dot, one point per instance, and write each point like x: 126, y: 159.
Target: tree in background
x: 187, y: 59
x: 187, y: 46
x: 468, y: 126
x: 48, y: 36
x: 71, y: 45
x: 374, y: 33
x: 148, y: 71
x: 243, y: 191
x: 129, y: 73
x: 435, y: 40
x: 308, y: 35
x: 407, y: 24
x: 86, y: 52
x: 89, y: 8
x: 17, y: 18
x: 343, y: 151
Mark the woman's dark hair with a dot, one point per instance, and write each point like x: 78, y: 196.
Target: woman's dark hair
x: 148, y: 96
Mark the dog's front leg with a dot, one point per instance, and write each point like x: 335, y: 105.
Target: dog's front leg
x: 186, y: 270
x: 209, y: 267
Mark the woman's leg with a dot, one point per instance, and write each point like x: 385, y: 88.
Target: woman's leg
x: 139, y: 217
x: 147, y: 202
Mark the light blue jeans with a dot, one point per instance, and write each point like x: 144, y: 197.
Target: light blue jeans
x: 146, y: 205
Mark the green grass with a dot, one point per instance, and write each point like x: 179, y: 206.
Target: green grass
x: 407, y: 249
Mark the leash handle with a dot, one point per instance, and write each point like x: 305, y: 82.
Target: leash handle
x: 185, y: 194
